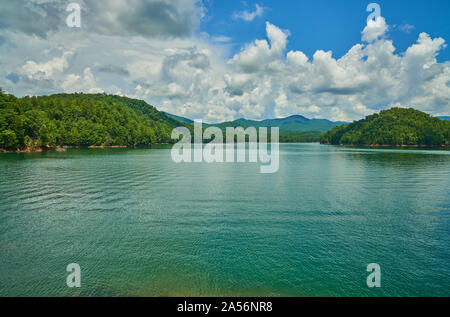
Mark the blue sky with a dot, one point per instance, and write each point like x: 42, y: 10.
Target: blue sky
x: 220, y: 60
x: 328, y: 24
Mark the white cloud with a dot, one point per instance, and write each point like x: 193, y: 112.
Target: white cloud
x: 249, y: 16
x: 148, y: 18
x: 46, y: 70
x: 191, y: 77
x: 297, y: 58
x: 407, y: 28
x: 374, y: 29
x: 221, y: 39
x: 85, y: 82
x: 260, y: 54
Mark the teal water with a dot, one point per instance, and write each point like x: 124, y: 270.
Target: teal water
x: 140, y: 225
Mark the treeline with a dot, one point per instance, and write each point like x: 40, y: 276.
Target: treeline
x: 80, y: 120
x: 108, y: 120
x: 287, y: 136
x: 396, y: 126
x: 284, y: 136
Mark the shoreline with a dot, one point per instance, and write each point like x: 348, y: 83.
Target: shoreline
x: 391, y: 145
x: 63, y: 148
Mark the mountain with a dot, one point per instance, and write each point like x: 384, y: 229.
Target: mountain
x: 292, y: 129
x: 396, y: 126
x: 444, y: 118
x: 80, y: 120
x: 294, y: 123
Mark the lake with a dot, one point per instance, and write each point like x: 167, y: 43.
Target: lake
x: 139, y: 224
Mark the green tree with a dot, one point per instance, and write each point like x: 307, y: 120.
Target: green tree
x: 8, y: 140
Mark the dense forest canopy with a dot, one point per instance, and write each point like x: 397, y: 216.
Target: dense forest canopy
x: 396, y: 126
x: 80, y: 120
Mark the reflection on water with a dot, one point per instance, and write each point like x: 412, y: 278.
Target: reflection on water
x: 139, y: 224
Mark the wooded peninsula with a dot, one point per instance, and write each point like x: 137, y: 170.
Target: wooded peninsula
x: 393, y: 127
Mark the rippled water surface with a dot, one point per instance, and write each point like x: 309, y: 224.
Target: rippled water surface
x: 140, y: 225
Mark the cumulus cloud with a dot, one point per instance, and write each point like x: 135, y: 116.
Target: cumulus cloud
x: 176, y: 18
x: 249, y: 16
x: 370, y: 77
x: 374, y: 29
x: 262, y: 54
x: 193, y: 76
x: 148, y: 18
x: 48, y: 69
x: 34, y: 17
x: 85, y: 82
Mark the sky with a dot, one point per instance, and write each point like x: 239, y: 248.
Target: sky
x: 220, y: 60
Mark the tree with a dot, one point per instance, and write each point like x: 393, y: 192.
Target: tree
x: 8, y: 140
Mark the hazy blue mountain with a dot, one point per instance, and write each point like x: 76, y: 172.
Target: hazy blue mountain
x: 294, y: 123
x: 444, y: 118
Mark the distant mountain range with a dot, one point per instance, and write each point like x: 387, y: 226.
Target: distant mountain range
x: 292, y: 124
x: 444, y: 118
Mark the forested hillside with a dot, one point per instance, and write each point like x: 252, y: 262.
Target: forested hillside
x: 294, y: 123
x: 80, y: 120
x: 396, y: 126
x: 292, y: 129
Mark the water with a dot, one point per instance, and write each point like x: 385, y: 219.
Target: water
x: 140, y: 225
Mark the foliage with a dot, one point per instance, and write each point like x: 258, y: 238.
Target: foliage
x: 396, y: 126
x: 299, y: 137
x: 80, y: 120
